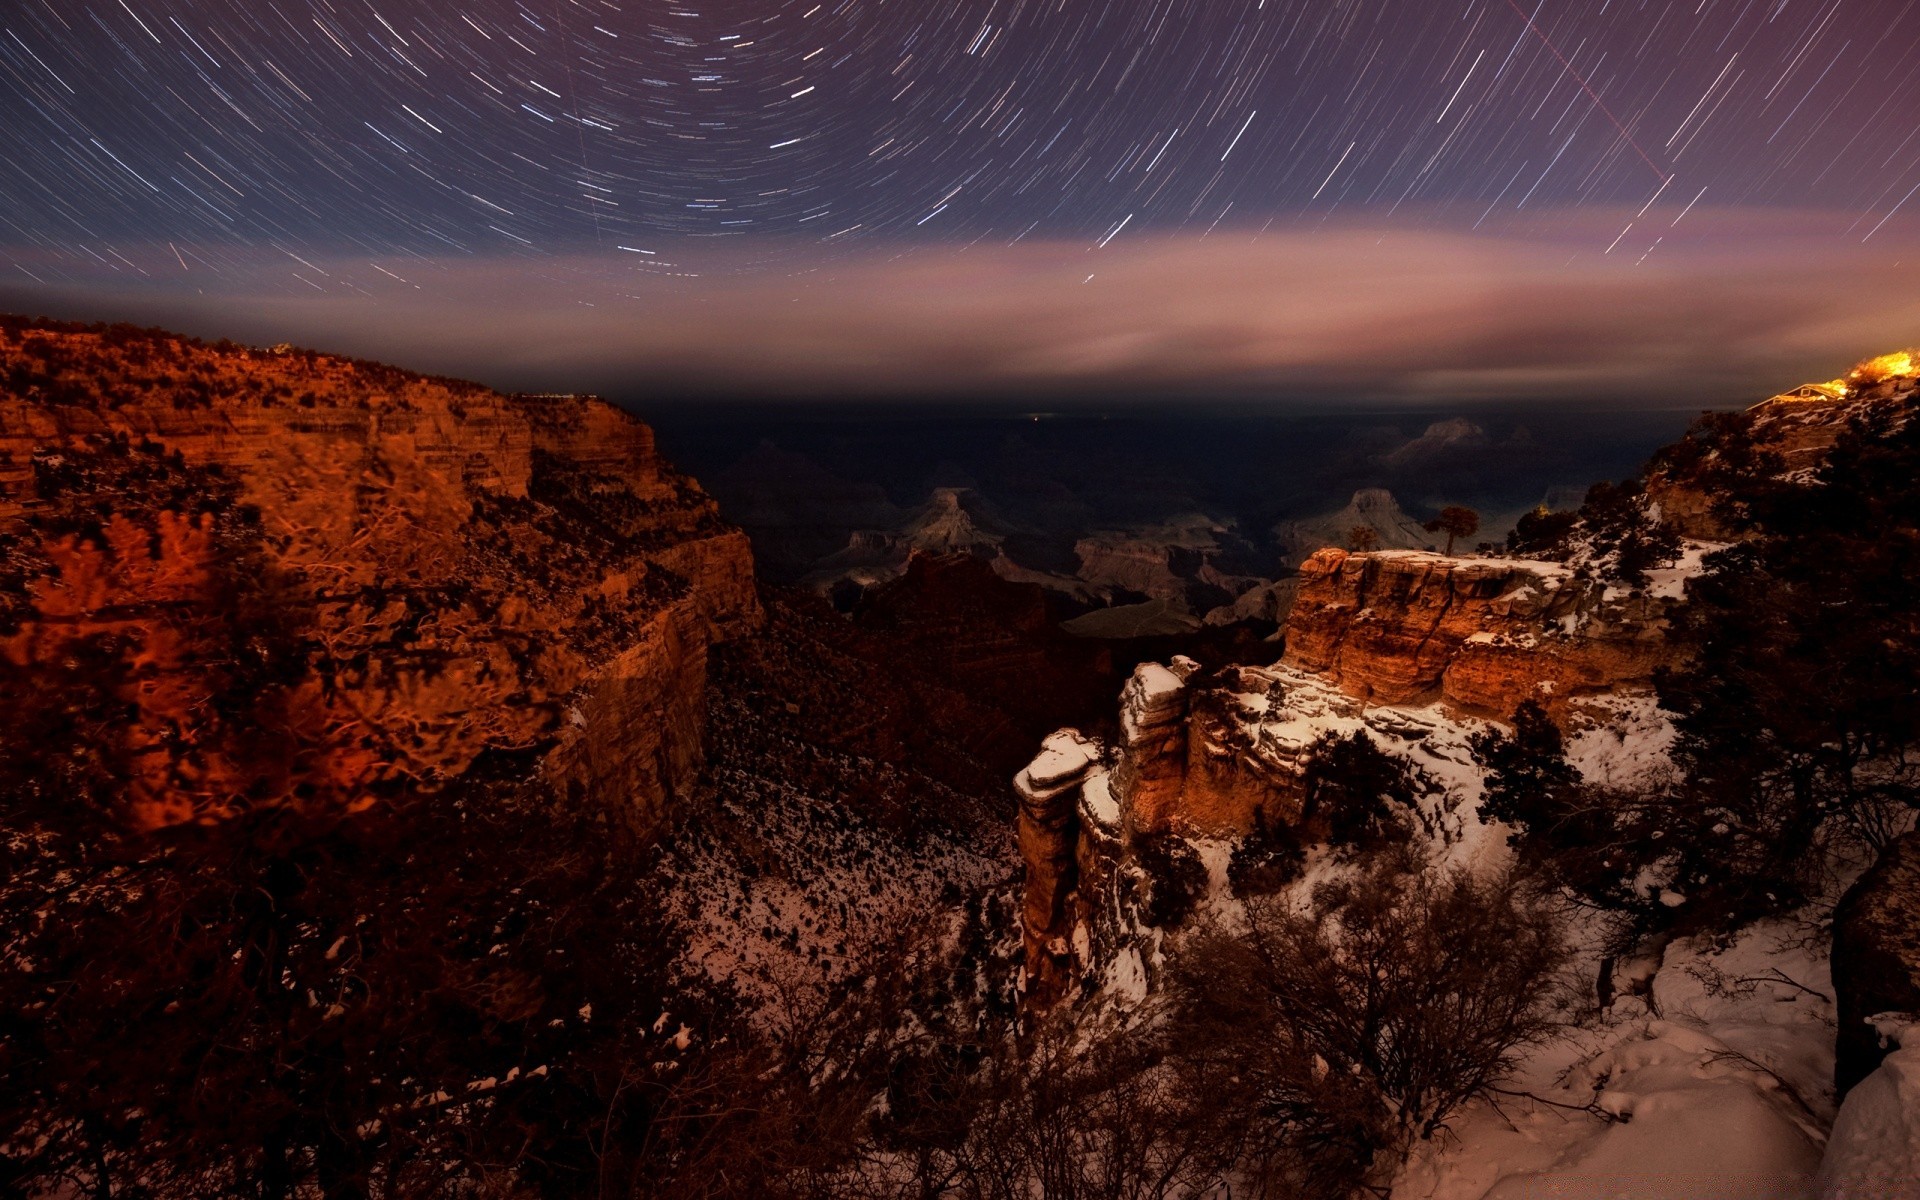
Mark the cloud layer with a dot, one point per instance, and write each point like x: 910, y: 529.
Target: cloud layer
x: 1375, y: 312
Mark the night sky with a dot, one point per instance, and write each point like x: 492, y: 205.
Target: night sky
x: 1535, y: 195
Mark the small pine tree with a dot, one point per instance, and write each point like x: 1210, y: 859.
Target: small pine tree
x: 1266, y: 860
x: 1357, y: 789
x: 1528, y: 774
x: 1456, y: 522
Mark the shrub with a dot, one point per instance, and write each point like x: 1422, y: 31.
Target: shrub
x: 1360, y: 793
x: 1335, y: 1035
x: 1542, y: 533
x: 1176, y: 878
x: 1266, y: 860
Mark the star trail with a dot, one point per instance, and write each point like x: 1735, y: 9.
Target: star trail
x: 358, y: 145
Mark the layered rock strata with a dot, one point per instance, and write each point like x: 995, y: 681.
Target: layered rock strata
x: 1051, y: 790
x: 1480, y: 635
x: 1200, y: 755
x: 470, y: 573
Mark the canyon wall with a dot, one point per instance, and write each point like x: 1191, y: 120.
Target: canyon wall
x: 1412, y: 648
x: 469, y: 574
x: 1479, y: 635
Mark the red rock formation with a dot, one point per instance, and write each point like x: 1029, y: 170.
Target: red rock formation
x: 1207, y: 753
x: 465, y: 572
x: 1050, y: 791
x: 1482, y: 635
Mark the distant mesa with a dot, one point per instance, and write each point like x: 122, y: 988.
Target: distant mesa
x: 1374, y: 509
x: 1441, y: 438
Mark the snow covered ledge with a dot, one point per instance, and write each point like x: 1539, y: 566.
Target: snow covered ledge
x: 1874, y: 1150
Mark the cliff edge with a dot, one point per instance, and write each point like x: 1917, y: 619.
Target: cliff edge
x: 447, y: 576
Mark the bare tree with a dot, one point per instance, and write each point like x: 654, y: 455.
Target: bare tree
x: 1341, y: 1031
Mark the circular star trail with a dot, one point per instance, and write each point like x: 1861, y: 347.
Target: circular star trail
x: 477, y: 127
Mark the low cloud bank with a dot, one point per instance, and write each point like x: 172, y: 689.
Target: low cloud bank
x: 1731, y: 303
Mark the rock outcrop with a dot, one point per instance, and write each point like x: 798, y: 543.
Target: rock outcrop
x: 1051, y: 790
x: 1481, y: 635
x: 1199, y: 754
x: 464, y: 574
x: 1876, y: 958
x: 1413, y: 649
x: 1698, y: 480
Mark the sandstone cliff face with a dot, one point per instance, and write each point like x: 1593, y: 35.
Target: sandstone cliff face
x: 1412, y: 649
x: 1050, y: 823
x: 1876, y: 958
x: 467, y: 573
x: 1200, y: 754
x: 1481, y: 635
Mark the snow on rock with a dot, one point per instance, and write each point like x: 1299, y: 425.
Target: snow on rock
x: 1152, y: 694
x: 1623, y: 740
x: 1874, y: 1152
x: 1063, y: 760
x: 1097, y: 805
x: 784, y: 887
x: 1405, y: 627
x: 1670, y: 582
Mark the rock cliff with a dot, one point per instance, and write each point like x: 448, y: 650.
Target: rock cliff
x: 1876, y: 958
x: 1481, y: 635
x: 1410, y: 647
x: 456, y: 575
x: 1206, y: 754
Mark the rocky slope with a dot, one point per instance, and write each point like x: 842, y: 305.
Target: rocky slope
x: 463, y: 575
x: 1876, y: 958
x: 1482, y: 635
x: 1699, y: 482
x: 1416, y: 649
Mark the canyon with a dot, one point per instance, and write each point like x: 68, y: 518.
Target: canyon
x: 476, y: 574
x: 301, y: 586
x: 1420, y: 652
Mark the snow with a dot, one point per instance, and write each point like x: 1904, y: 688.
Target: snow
x: 1874, y: 1153
x: 1156, y: 684
x: 1670, y: 583
x: 1623, y: 740
x: 780, y: 893
x: 1097, y: 803
x: 1710, y: 1083
x: 1065, y: 755
x: 1708, y: 1075
x: 1126, y: 981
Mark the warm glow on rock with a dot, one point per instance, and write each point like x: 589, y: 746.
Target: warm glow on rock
x: 1898, y: 365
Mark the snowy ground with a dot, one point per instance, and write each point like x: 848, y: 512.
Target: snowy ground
x: 1715, y: 1084
x: 1708, y: 1077
x: 786, y: 892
